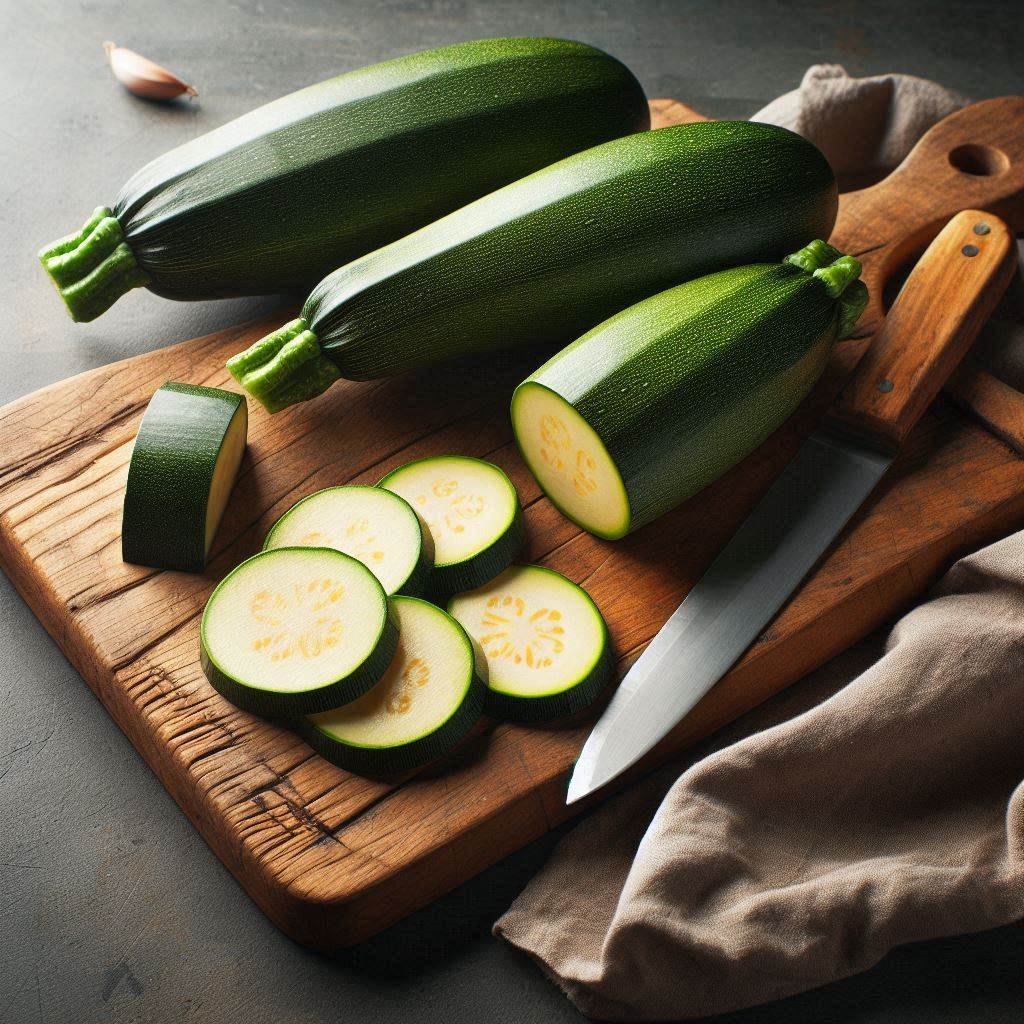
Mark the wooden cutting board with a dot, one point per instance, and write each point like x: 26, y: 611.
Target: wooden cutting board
x: 332, y: 858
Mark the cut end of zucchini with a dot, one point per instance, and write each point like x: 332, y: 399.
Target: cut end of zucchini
x: 570, y: 461
x: 93, y: 268
x: 427, y: 701
x: 284, y: 368
x: 369, y: 523
x: 295, y: 631
x: 184, y: 465
x: 547, y: 647
x: 225, y: 472
x: 471, y: 511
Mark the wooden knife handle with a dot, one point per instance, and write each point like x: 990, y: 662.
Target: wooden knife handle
x: 945, y: 301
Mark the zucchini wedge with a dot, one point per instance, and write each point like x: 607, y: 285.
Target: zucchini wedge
x: 281, y: 196
x: 546, y: 644
x: 428, y: 700
x: 183, y: 467
x: 660, y: 400
x: 548, y: 257
x: 369, y: 523
x: 294, y: 631
x: 472, y: 513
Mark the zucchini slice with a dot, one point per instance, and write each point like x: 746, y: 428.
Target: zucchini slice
x: 184, y: 464
x: 376, y: 526
x: 547, y: 646
x: 429, y: 699
x: 296, y: 630
x: 472, y: 512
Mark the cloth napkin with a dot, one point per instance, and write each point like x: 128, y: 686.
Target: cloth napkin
x: 879, y: 802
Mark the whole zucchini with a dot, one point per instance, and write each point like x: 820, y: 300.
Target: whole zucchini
x: 274, y: 200
x: 550, y: 256
x: 657, y: 402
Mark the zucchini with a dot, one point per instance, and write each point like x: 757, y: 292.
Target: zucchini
x: 369, y: 523
x: 276, y: 199
x: 545, y: 642
x: 660, y: 400
x: 183, y: 466
x: 472, y: 513
x: 294, y: 631
x: 429, y: 699
x: 548, y: 257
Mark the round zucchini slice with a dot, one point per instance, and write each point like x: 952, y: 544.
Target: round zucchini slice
x: 184, y: 464
x: 547, y: 647
x: 369, y: 523
x: 570, y: 461
x: 472, y: 512
x: 429, y: 699
x: 296, y: 630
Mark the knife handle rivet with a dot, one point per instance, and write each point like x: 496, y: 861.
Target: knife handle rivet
x: 981, y: 229
x: 970, y: 250
x: 885, y: 385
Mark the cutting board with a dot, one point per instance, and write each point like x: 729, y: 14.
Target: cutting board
x: 330, y: 857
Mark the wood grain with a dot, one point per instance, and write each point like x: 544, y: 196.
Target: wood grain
x: 950, y: 294
x: 330, y: 857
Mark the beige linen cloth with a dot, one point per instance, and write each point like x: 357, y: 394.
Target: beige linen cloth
x: 797, y: 850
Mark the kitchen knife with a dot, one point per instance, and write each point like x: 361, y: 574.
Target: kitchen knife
x: 943, y: 304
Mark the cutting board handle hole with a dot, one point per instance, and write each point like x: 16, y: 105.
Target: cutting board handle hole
x: 979, y: 161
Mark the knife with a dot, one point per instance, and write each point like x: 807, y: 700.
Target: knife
x: 945, y: 301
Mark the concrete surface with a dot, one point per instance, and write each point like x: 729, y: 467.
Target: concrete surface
x: 112, y: 908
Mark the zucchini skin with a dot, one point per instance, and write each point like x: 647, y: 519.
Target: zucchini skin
x: 383, y: 762
x: 166, y: 496
x: 682, y: 386
x: 275, y: 199
x: 546, y: 258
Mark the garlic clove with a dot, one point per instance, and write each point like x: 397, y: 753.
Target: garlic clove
x: 141, y: 76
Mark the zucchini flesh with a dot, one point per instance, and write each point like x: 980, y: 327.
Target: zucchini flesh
x: 428, y: 700
x: 183, y: 467
x: 295, y: 631
x: 279, y: 197
x: 545, y: 642
x: 660, y: 400
x: 369, y: 523
x: 548, y: 257
x: 472, y: 513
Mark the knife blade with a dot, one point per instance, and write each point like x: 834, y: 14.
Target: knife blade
x: 945, y: 301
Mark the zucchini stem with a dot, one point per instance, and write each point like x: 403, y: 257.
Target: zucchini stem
x: 284, y: 368
x: 93, y: 268
x: 814, y: 256
x: 840, y: 275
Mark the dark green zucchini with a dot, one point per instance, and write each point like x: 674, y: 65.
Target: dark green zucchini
x: 274, y: 200
x: 657, y: 402
x: 550, y: 256
x: 184, y: 463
